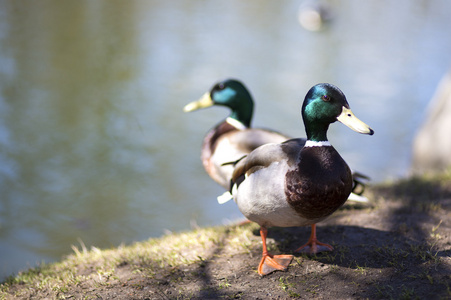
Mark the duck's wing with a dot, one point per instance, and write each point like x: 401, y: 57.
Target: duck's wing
x: 265, y: 155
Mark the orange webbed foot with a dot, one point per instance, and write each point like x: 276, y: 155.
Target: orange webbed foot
x: 313, y: 245
x: 270, y: 263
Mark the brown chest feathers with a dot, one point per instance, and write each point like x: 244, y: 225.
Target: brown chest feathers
x: 320, y: 183
x: 211, y: 139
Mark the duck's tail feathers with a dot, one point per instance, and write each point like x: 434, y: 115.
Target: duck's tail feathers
x: 357, y: 198
x: 226, y: 197
x: 359, y: 182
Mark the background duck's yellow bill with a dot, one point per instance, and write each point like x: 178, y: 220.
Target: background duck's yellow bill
x: 203, y: 102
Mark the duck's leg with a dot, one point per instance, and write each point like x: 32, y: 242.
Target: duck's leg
x: 313, y: 245
x: 244, y: 222
x: 270, y: 263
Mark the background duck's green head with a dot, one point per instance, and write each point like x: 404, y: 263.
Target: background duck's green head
x: 325, y: 104
x: 231, y: 93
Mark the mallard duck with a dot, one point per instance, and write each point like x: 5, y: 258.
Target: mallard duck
x: 295, y: 183
x: 232, y: 138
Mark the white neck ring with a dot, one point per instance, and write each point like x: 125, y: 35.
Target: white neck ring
x: 310, y: 143
x: 235, y: 123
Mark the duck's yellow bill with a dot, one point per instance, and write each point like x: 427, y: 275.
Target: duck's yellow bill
x: 203, y: 102
x: 349, y: 119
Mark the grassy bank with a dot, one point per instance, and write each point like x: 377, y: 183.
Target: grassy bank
x: 399, y: 248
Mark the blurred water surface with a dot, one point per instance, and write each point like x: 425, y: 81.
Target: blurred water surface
x: 94, y: 146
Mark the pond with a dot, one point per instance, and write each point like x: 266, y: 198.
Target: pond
x: 95, y: 149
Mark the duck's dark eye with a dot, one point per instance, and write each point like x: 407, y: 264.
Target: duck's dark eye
x: 325, y: 98
x: 220, y: 86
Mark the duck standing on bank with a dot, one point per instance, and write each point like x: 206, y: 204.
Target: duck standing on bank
x: 295, y: 184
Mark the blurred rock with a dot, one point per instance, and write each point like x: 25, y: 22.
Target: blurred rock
x: 432, y: 145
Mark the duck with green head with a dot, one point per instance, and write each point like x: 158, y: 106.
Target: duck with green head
x: 232, y: 138
x: 295, y: 183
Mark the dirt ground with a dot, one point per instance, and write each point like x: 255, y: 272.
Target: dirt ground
x: 397, y: 248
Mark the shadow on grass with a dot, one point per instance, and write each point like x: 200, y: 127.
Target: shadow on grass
x: 376, y: 263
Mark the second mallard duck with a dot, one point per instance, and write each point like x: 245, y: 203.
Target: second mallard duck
x: 292, y: 184
x: 233, y: 138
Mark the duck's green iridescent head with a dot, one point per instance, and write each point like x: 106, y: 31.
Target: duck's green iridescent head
x: 231, y: 93
x: 325, y: 104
